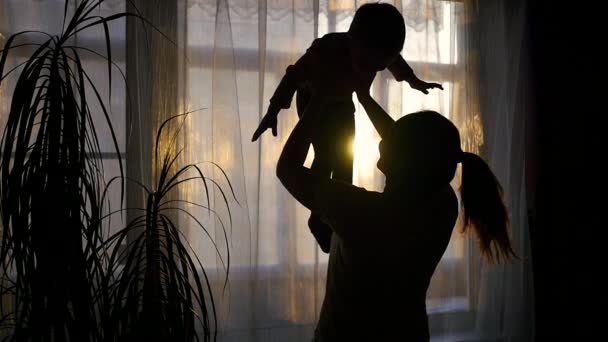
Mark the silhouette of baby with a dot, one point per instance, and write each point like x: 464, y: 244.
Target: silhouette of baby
x: 332, y: 68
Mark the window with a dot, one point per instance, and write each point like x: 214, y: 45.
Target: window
x: 432, y: 51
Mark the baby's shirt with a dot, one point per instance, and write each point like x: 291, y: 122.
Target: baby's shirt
x: 326, y: 69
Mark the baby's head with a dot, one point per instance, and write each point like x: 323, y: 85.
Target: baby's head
x: 377, y: 33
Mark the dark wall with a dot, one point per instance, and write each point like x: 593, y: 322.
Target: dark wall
x: 568, y: 107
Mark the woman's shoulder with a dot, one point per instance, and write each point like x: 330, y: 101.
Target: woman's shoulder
x: 418, y: 211
x: 443, y: 206
x: 450, y: 200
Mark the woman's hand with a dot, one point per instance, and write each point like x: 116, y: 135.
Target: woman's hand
x: 363, y: 83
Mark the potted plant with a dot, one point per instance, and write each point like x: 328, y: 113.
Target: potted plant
x: 62, y: 279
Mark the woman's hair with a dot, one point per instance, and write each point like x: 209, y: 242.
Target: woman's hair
x: 380, y: 26
x: 484, y: 209
x: 430, y: 144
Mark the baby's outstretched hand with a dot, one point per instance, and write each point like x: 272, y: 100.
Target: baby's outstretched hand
x: 424, y: 86
x: 269, y: 121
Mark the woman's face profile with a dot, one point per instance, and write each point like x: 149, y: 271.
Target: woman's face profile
x: 393, y: 159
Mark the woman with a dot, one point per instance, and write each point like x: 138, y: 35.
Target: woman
x: 387, y: 244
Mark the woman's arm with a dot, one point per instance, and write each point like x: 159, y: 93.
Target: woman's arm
x: 292, y: 173
x: 381, y: 120
x: 296, y: 178
x: 344, y: 205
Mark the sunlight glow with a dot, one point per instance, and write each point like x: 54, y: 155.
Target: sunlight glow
x: 366, y: 152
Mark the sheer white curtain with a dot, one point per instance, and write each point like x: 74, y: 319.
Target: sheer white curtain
x: 46, y: 16
x: 228, y: 58
x: 506, y: 299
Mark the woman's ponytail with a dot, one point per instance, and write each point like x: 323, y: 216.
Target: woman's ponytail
x: 484, y: 209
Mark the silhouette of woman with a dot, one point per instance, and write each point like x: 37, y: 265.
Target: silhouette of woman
x: 387, y: 244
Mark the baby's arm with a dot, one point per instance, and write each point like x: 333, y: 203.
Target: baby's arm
x: 403, y: 72
x: 295, y: 75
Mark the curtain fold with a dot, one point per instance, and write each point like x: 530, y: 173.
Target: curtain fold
x: 505, y: 304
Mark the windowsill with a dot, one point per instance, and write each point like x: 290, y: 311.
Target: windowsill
x: 455, y: 337
x: 455, y: 323
x: 445, y: 305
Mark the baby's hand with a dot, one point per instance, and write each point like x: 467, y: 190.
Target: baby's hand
x: 269, y: 121
x: 424, y: 86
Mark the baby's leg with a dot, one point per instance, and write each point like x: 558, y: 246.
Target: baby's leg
x: 321, y: 165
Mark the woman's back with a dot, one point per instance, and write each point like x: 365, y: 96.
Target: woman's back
x: 382, y: 257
